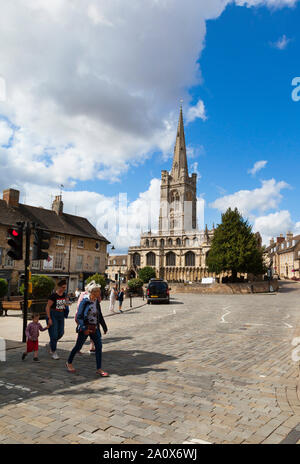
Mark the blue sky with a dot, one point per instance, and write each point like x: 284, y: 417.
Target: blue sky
x: 120, y: 137
x: 250, y: 113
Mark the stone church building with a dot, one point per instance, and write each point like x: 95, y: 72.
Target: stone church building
x: 178, y: 251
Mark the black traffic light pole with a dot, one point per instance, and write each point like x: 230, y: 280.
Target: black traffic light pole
x: 27, y: 264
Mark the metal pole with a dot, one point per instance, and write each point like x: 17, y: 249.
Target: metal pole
x: 27, y: 263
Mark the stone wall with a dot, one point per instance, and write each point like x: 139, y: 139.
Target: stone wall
x: 237, y: 288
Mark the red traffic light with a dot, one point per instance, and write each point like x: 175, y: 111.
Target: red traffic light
x: 15, y: 233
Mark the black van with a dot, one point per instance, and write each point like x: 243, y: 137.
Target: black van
x: 158, y: 290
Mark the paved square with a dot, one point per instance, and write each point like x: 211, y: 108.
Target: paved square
x: 206, y: 368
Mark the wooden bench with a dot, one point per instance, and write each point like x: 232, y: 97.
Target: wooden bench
x: 11, y: 306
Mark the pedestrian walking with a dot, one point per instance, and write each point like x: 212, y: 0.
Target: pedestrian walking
x: 112, y: 299
x: 83, y: 295
x: 57, y: 309
x: 89, y: 318
x: 120, y: 299
x: 32, y: 335
x: 77, y: 293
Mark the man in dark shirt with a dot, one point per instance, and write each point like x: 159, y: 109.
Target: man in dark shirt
x: 55, y: 310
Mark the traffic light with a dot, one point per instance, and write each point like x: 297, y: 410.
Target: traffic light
x: 15, y: 241
x: 41, y: 242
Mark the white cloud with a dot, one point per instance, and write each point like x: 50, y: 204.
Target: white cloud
x: 262, y: 199
x: 5, y: 133
x: 281, y: 43
x: 119, y: 220
x: 273, y: 225
x: 194, y: 169
x: 195, y: 112
x: 269, y: 3
x: 93, y: 84
x: 257, y: 167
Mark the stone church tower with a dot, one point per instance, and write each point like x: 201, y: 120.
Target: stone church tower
x: 178, y: 196
x: 178, y: 250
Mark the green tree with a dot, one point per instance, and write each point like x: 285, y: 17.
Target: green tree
x: 42, y: 286
x: 135, y: 284
x: 147, y: 273
x: 235, y: 247
x: 3, y: 288
x: 99, y: 279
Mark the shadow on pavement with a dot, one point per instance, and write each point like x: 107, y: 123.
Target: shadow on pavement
x: 105, y: 341
x: 287, y: 287
x: 23, y: 380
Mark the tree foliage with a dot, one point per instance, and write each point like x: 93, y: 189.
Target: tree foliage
x: 99, y: 279
x: 3, y: 287
x: 235, y: 247
x: 42, y: 286
x: 147, y: 273
x: 134, y: 284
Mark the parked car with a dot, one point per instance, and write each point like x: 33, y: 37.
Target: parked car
x: 158, y: 290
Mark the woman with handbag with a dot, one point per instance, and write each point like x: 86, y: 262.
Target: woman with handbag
x: 89, y: 318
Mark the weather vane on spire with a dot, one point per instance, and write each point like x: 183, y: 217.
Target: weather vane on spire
x: 61, y: 187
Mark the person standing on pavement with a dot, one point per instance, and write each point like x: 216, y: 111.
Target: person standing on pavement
x: 89, y: 318
x: 121, y: 299
x: 112, y: 299
x: 55, y: 309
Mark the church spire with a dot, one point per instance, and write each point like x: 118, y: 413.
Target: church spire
x: 180, y: 166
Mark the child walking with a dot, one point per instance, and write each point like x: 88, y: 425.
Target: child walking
x: 32, y: 333
x: 121, y: 298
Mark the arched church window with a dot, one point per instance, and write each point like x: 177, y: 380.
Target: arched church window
x: 177, y: 202
x: 154, y: 243
x: 147, y: 243
x: 170, y: 242
x: 136, y: 259
x: 178, y: 242
x: 171, y: 259
x: 190, y: 258
x: 150, y: 259
x: 162, y: 242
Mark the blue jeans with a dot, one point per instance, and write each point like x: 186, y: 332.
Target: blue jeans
x: 96, y: 338
x: 56, y: 330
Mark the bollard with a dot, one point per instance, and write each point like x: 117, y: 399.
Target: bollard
x: 130, y: 296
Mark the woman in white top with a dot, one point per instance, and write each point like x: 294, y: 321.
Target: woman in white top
x: 112, y: 300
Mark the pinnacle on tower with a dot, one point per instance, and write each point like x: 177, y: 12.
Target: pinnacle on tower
x: 180, y: 166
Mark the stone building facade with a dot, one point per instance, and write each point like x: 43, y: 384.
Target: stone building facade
x: 178, y: 250
x: 117, y: 266
x: 77, y: 250
x: 283, y: 256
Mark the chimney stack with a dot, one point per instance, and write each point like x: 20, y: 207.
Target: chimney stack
x: 289, y: 236
x: 11, y: 197
x: 280, y: 239
x: 58, y: 205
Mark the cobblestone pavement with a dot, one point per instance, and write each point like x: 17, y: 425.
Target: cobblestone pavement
x: 206, y: 367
